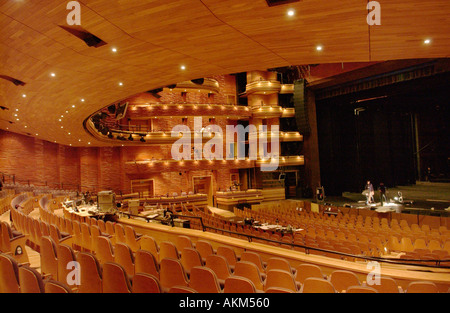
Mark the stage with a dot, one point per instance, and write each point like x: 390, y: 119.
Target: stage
x: 422, y: 198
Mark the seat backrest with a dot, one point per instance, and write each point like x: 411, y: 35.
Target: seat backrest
x: 183, y: 242
x: 9, y: 274
x: 171, y: 273
x: 167, y: 249
x: 91, y: 273
x: 86, y: 237
x: 204, y: 248
x: 279, y: 264
x: 115, y: 279
x: 181, y: 289
x: 249, y: 270
x: 149, y: 243
x: 237, y: 284
x: 317, y: 285
x: 422, y: 287
x: 145, y: 262
x: 361, y: 289
x: 131, y: 238
x: 53, y: 286
x: 145, y: 283
x: 104, y: 250
x: 119, y: 233
x: 190, y: 257
x: 280, y: 278
x: 305, y: 271
x: 203, y: 280
x: 255, y: 258
x: 342, y: 279
x: 48, y: 256
x: 228, y: 253
x: 124, y: 256
x: 65, y: 255
x: 386, y: 285
x: 30, y: 280
x: 219, y: 265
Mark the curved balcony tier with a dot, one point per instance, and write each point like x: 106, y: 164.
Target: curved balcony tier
x: 143, y: 110
x: 267, y: 111
x: 139, y: 135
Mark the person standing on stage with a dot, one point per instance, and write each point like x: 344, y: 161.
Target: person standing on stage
x: 382, y: 190
x: 370, y: 192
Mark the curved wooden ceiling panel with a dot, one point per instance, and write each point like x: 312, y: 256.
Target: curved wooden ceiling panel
x: 154, y: 38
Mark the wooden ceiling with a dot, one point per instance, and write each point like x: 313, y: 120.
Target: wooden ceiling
x: 154, y: 38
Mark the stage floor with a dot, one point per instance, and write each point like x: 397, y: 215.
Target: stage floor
x: 428, y: 197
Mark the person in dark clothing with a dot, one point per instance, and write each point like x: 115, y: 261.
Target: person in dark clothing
x: 382, y: 189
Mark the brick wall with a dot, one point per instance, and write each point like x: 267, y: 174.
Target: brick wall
x: 41, y: 162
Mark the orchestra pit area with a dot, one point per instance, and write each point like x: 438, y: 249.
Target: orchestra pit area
x: 273, y: 247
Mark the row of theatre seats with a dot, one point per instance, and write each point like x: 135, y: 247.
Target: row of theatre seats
x: 350, y: 234
x: 109, y: 260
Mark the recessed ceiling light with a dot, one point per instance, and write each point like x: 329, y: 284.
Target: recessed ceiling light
x: 89, y: 143
x: 183, y: 67
x: 114, y: 49
x: 52, y: 74
x: 26, y: 126
x: 291, y: 12
x: 17, y: 119
x: 427, y: 41
x: 17, y: 110
x: 24, y: 95
x: 73, y: 105
x: 120, y: 84
x: 62, y: 126
x: 319, y: 48
x: 82, y: 100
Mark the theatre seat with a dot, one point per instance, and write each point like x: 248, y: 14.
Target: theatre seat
x: 181, y: 289
x: 282, y: 279
x: 65, y: 255
x: 422, y: 287
x: 105, y: 250
x: 145, y: 283
x: 341, y: 280
x: 251, y: 271
x: 190, y: 258
x: 115, y: 279
x: 172, y: 274
x: 204, y: 248
x: 145, y: 262
x: 53, y: 286
x: 204, y: 280
x: 30, y: 280
x: 387, y: 285
x: 90, y: 273
x: 48, y: 256
x: 237, y: 284
x: 149, y: 243
x: 124, y: 256
x: 305, y: 271
x: 219, y: 265
x: 167, y: 249
x: 317, y: 285
x: 9, y: 274
x: 361, y: 289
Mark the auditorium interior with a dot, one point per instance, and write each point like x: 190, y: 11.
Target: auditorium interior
x: 206, y: 146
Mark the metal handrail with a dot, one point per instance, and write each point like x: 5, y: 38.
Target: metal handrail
x: 307, y: 248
